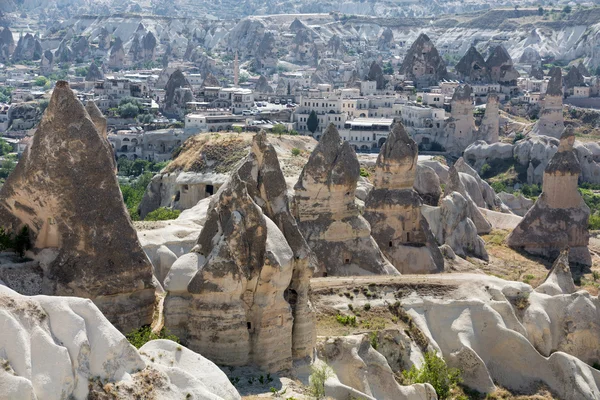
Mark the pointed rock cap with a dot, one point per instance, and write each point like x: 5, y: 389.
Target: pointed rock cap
x: 97, y: 117
x: 582, y: 69
x: 396, y: 165
x: 465, y: 64
x: 297, y: 25
x: 399, y: 148
x: 331, y: 162
x: 555, y: 84
x: 462, y: 93
x: 499, y: 57
x: 559, y: 279
x: 210, y: 81
x: 94, y: 73
x: 493, y: 98
x: 565, y: 161
x: 536, y: 72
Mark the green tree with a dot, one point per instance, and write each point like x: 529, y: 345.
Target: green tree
x: 40, y: 81
x: 5, y: 147
x: 279, y: 129
x: 312, y: 123
x: 567, y: 9
x: 128, y: 110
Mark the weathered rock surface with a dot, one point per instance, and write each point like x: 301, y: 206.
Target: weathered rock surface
x: 489, y: 130
x: 94, y: 73
x: 328, y: 216
x: 117, y: 54
x: 519, y: 205
x: 559, y: 218
x: 376, y: 75
x: 501, y: 68
x: 427, y: 184
x: 28, y: 48
x: 423, y: 64
x: 455, y: 184
x: 63, y: 347
x: 7, y: 44
x: 460, y: 127
x: 495, y: 338
x: 480, y: 153
x: 472, y: 67
x: 393, y: 208
x: 251, y: 264
x: 551, y: 122
x: 64, y: 189
x: 479, y: 190
x: 262, y: 85
x: 174, y: 98
x: 362, y: 372
x: 451, y: 224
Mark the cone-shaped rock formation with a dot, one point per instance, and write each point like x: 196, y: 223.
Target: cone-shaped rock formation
x: 393, y: 208
x: 64, y: 189
x: 327, y: 214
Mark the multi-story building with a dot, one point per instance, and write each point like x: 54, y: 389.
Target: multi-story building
x: 212, y: 123
x: 366, y: 134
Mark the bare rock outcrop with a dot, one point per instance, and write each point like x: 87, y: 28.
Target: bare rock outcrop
x: 262, y: 85
x: 559, y: 279
x: 360, y: 371
x: 559, y: 218
x: 376, y: 75
x: 479, y: 190
x: 28, y: 48
x: 460, y: 127
x: 63, y: 347
x: 472, y: 67
x: 94, y: 73
x: 117, y: 54
x: 328, y: 216
x: 451, y: 225
x: 428, y: 185
x: 501, y: 67
x: 65, y: 191
x: 7, y: 44
x: 455, y: 184
x: 423, y: 64
x: 245, y: 283
x: 518, y: 205
x: 177, y: 92
x: 551, y: 122
x: 393, y: 208
x: 489, y: 130
x: 573, y: 78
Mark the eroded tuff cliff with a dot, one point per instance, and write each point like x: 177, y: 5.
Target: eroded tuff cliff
x: 393, y: 208
x: 559, y: 218
x: 252, y: 263
x: 328, y: 216
x: 64, y: 189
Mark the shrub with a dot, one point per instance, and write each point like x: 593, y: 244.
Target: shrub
x: 364, y: 173
x: 367, y: 307
x: 518, y: 136
x: 373, y: 339
x: 317, y: 380
x: 162, y: 214
x: 346, y: 319
x: 141, y: 336
x: 435, y: 372
x: 295, y: 151
x: 20, y: 243
x: 498, y: 187
x: 594, y: 222
x: 485, y: 169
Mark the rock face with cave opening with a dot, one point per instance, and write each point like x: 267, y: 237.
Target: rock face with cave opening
x: 65, y: 190
x: 559, y: 218
x: 328, y: 216
x: 241, y: 296
x: 393, y: 208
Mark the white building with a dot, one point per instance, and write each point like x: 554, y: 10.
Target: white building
x: 366, y: 134
x: 212, y: 123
